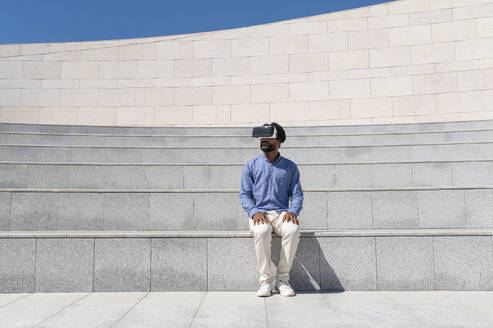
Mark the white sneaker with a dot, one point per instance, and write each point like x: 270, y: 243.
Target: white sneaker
x: 285, y: 288
x: 265, y: 289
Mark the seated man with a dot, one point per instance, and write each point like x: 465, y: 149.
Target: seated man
x: 267, y: 183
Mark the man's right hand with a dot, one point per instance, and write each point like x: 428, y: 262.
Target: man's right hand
x: 259, y: 217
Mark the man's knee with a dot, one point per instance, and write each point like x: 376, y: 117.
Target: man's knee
x: 262, y: 230
x: 291, y: 229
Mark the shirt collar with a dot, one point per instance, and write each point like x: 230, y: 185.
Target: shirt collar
x: 277, y: 160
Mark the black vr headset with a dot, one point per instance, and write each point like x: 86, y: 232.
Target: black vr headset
x: 264, y: 132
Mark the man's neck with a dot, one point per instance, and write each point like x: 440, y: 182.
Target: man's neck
x: 271, y: 156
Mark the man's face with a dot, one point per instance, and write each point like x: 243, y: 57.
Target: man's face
x: 268, y: 144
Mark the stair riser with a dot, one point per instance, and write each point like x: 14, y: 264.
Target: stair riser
x: 247, y: 140
x: 322, y: 263
x: 420, y: 127
x: 241, y: 155
x: 397, y: 175
x: 416, y: 209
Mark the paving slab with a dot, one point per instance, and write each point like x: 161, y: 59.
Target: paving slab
x: 163, y: 309
x: 244, y: 309
x: 96, y: 310
x: 35, y: 308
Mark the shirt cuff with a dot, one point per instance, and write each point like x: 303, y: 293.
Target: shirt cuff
x: 297, y: 213
x: 253, y: 211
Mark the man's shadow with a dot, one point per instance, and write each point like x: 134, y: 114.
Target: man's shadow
x: 310, y: 270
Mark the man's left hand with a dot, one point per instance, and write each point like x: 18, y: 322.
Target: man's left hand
x: 290, y: 216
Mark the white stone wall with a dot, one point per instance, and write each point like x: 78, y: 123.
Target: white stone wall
x: 398, y: 62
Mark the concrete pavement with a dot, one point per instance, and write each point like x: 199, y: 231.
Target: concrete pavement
x: 244, y: 309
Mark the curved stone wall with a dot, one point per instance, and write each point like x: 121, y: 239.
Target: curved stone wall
x: 397, y: 62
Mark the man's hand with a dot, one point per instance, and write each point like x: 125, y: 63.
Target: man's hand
x: 290, y: 216
x: 259, y: 217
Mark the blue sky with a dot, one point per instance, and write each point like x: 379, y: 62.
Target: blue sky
x: 27, y: 21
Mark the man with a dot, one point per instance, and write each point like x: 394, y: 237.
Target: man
x: 267, y: 183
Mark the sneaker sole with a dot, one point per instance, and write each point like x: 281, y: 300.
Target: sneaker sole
x: 288, y: 295
x: 260, y: 295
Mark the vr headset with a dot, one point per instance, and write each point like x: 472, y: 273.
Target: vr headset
x: 264, y: 132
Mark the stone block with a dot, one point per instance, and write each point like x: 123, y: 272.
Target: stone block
x: 155, y: 68
x: 42, y: 70
x: 154, y: 96
x: 122, y: 264
x: 13, y: 97
x: 308, y: 62
x: 454, y: 31
x: 432, y: 174
x: 435, y: 83
x: 64, y: 264
x: 328, y: 42
x: 405, y: 263
x: 231, y: 66
x: 266, y: 93
x: 169, y: 270
x: 441, y: 209
x: 313, y: 215
x: 228, y: 271
x: 345, y: 89
x: 463, y: 262
x: 369, y: 39
x: 174, y: 49
x: 80, y: 70
x: 269, y: 64
x: 80, y: 211
x: 459, y: 102
x: 309, y: 91
x: 395, y: 209
x: 115, y: 97
x: 34, y: 211
x: 389, y: 57
x: 413, y: 105
x: 349, y: 210
x: 192, y: 67
x: 217, y: 211
x: 39, y: 97
x: 193, y: 96
x: 172, y: 211
x: 117, y: 69
x: 288, y: 45
x: 126, y: 211
x: 353, y: 59
x: 338, y: 259
x: 346, y: 25
x: 212, y: 49
x: 250, y: 47
x: 479, y: 204
x: 435, y: 53
x: 406, y: 36
x: 17, y: 265
x: 371, y: 107
x: 231, y: 95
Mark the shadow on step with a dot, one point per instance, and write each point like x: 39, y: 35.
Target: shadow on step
x: 310, y: 271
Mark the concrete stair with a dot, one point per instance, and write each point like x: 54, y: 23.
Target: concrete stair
x: 387, y: 207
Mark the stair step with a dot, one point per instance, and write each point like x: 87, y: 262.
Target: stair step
x: 211, y: 176
x: 246, y: 140
x: 229, y: 155
x: 425, y: 207
x: 456, y: 259
x: 290, y: 130
x: 308, y: 233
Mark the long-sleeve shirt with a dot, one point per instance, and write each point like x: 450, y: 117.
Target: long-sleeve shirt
x: 268, y: 186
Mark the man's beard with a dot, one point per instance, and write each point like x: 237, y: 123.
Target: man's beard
x: 268, y: 149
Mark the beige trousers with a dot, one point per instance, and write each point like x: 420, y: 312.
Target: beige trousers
x: 262, y: 232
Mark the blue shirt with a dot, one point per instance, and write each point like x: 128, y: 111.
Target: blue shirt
x: 268, y: 186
